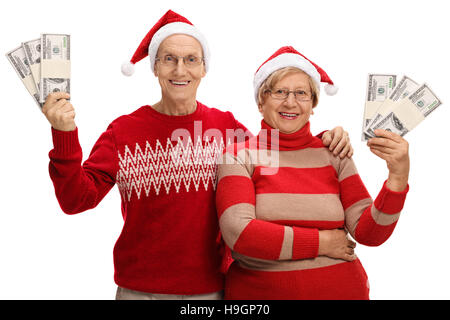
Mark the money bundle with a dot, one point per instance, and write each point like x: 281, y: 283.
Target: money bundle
x: 396, y: 106
x: 43, y: 65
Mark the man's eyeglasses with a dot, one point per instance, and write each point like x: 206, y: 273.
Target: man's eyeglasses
x: 281, y: 94
x: 172, y: 61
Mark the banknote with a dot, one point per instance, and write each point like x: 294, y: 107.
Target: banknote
x: 392, y: 123
x: 425, y: 100
x: 20, y: 64
x: 55, y: 64
x: 33, y: 53
x: 379, y: 87
x: 401, y: 91
x: 410, y: 112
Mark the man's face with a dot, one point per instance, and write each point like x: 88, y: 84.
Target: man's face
x: 179, y: 82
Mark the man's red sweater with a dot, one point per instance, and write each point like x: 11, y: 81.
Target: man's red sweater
x: 166, y: 176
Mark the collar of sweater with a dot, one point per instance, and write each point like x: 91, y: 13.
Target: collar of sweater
x: 196, y: 115
x: 299, y: 139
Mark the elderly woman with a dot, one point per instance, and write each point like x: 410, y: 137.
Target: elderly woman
x: 287, y: 222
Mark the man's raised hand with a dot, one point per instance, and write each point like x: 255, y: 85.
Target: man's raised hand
x: 59, y: 111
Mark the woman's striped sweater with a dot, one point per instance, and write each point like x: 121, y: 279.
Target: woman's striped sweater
x: 273, y: 197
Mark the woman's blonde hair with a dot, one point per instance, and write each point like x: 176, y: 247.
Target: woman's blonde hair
x: 276, y: 76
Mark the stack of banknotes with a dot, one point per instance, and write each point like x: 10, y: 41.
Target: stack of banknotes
x: 43, y: 65
x: 397, y: 106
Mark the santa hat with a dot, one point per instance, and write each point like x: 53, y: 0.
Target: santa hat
x: 289, y: 57
x: 169, y: 24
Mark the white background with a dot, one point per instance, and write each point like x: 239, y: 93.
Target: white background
x: 45, y: 254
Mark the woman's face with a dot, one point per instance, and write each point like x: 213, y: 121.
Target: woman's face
x: 179, y: 82
x: 288, y: 115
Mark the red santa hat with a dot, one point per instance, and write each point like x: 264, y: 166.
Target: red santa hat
x: 289, y: 57
x: 169, y: 24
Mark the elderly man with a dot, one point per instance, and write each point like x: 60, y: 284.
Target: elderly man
x: 163, y: 159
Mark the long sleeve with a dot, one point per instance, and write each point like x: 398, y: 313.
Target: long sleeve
x: 243, y: 232
x: 369, y: 222
x: 81, y: 187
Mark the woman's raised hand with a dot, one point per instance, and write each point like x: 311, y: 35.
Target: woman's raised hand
x: 393, y: 149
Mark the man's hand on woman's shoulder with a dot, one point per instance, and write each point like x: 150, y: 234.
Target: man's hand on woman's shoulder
x: 338, y: 142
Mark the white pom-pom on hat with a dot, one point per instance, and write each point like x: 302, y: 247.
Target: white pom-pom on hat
x: 331, y: 89
x: 127, y: 69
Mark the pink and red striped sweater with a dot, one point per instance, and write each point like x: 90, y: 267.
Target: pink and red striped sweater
x: 271, y: 221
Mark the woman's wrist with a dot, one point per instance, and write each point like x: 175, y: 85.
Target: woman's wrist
x: 396, y: 182
x: 323, y: 240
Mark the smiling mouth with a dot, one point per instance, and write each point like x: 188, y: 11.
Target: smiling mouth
x: 179, y: 83
x: 288, y: 116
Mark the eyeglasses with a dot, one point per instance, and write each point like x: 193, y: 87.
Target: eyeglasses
x: 190, y: 61
x: 281, y: 94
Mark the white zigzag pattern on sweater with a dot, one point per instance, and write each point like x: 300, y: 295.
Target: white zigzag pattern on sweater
x: 163, y: 167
